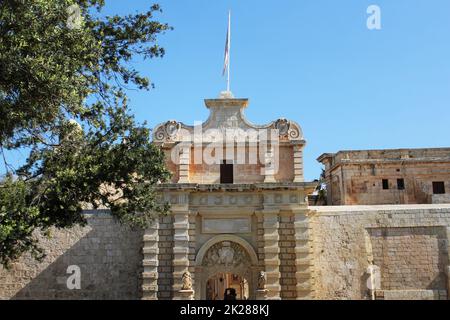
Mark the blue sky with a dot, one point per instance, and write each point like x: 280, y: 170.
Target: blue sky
x: 312, y: 61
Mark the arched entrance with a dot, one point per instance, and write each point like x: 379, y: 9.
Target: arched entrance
x: 230, y: 259
x: 217, y: 285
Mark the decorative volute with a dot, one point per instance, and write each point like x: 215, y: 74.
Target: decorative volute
x: 226, y: 116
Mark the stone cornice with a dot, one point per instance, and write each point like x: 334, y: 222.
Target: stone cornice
x: 242, y: 103
x: 346, y: 162
x: 385, y: 155
x: 195, y: 187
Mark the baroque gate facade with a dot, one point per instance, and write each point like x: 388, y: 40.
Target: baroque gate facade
x: 238, y: 215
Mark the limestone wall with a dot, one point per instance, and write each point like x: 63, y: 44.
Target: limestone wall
x: 248, y: 166
x: 409, y: 244
x: 108, y: 255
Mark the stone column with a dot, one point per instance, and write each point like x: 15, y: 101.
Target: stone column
x: 150, y: 262
x: 298, y: 163
x: 180, y: 252
x: 303, y: 255
x: 271, y: 253
x: 185, y: 158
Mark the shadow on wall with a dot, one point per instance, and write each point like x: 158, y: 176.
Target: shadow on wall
x: 441, y: 280
x: 109, y: 257
x: 365, y: 292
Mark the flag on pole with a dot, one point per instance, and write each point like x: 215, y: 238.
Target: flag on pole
x: 226, y: 58
x: 226, y: 63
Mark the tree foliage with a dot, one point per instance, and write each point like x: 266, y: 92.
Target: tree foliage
x: 64, y: 72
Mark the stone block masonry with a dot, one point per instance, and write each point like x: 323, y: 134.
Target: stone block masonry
x: 315, y: 253
x: 408, y: 243
x: 109, y: 257
x: 410, y: 257
x: 287, y: 257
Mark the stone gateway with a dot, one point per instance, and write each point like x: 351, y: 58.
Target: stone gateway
x: 236, y: 195
x: 240, y: 225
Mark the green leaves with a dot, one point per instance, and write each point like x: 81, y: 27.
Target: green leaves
x: 18, y: 220
x: 62, y: 96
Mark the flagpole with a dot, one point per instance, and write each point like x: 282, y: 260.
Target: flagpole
x: 229, y: 49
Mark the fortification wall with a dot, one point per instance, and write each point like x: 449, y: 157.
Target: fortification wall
x: 109, y: 257
x: 409, y: 243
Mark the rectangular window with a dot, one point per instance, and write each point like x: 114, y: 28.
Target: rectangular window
x: 400, y: 184
x: 438, y: 187
x: 385, y: 184
x: 226, y: 172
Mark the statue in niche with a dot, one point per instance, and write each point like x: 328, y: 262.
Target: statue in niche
x: 262, y: 280
x: 187, y: 281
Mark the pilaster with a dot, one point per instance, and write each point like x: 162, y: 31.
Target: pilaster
x: 298, y: 163
x: 269, y: 170
x: 180, y: 251
x: 192, y: 245
x: 184, y: 160
x: 303, y: 256
x: 150, y: 262
x: 271, y: 253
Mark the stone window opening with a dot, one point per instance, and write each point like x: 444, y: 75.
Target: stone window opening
x: 226, y: 172
x: 438, y: 187
x: 400, y: 184
x: 385, y: 183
